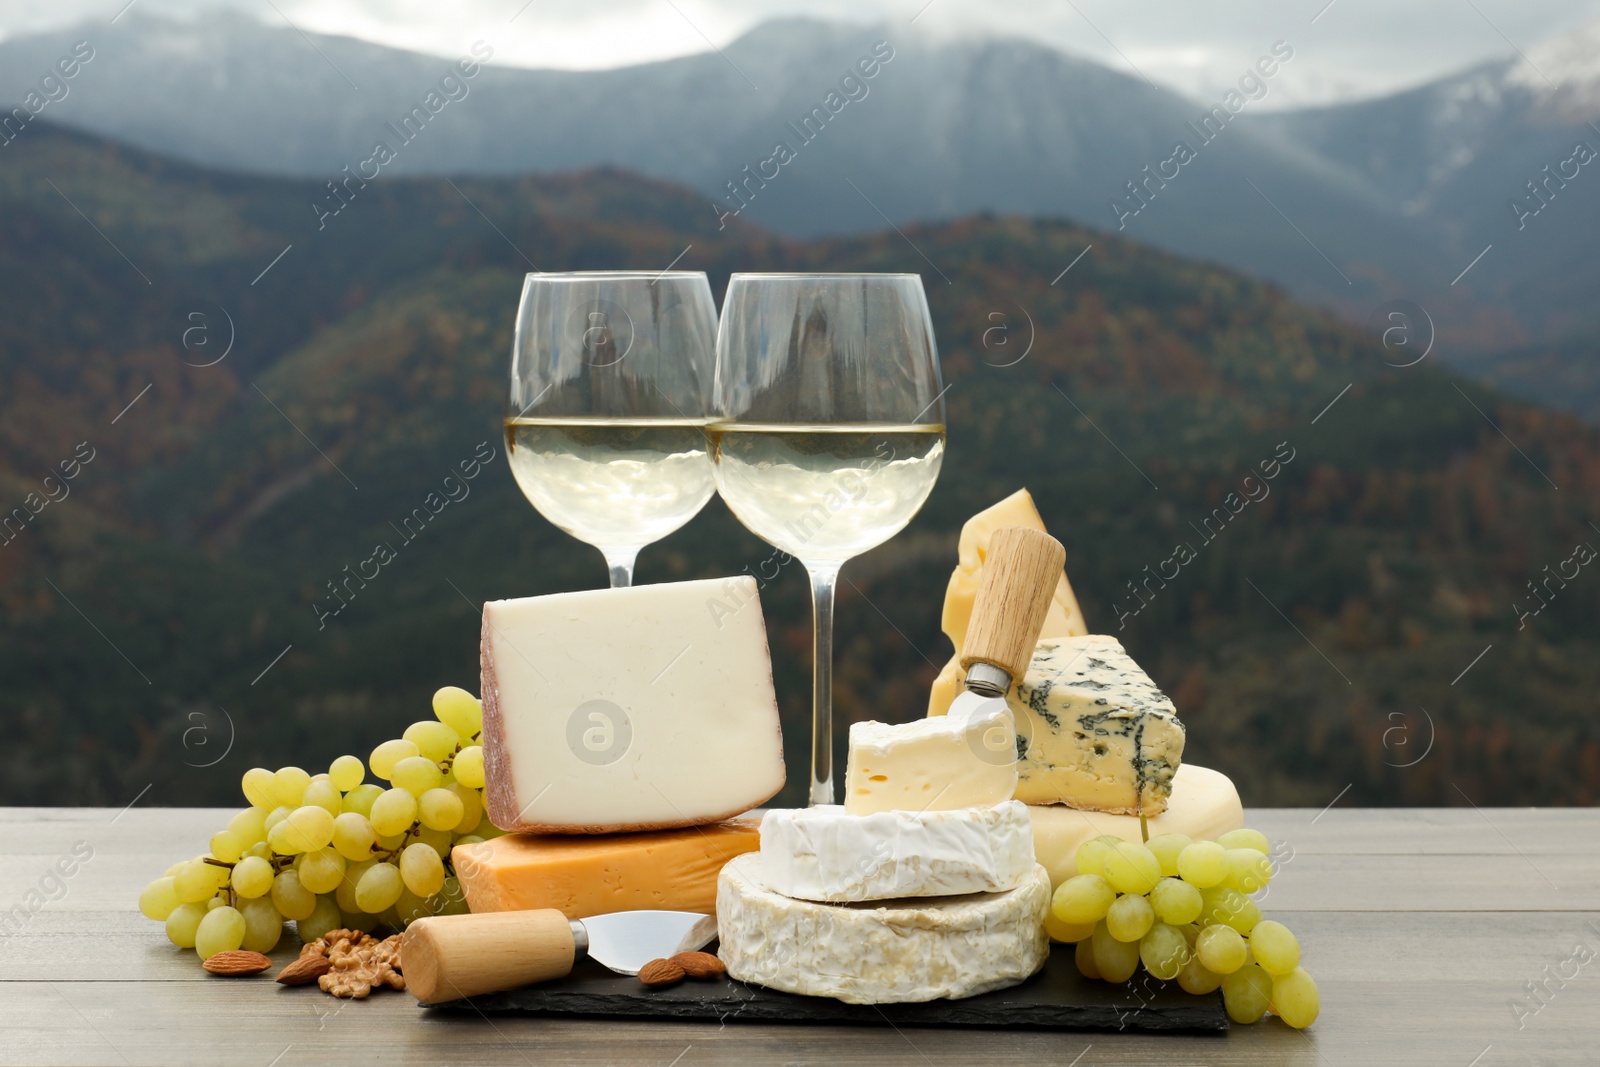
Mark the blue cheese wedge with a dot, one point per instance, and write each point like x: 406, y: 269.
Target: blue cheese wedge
x: 1093, y: 731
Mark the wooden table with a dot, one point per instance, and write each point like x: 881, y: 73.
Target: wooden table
x: 1423, y: 928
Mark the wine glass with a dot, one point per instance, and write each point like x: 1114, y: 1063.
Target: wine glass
x: 829, y: 431
x: 611, y: 376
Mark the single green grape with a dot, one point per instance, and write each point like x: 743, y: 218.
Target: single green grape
x: 281, y: 842
x: 289, y: 785
x: 1247, y: 870
x: 250, y: 824
x: 321, y: 793
x: 263, y: 925
x: 468, y: 766
x: 1091, y: 856
x: 252, y: 877
x: 1115, y: 960
x: 1083, y: 956
x: 439, y: 840
x: 353, y: 836
x: 1163, y: 951
x: 386, y: 755
x: 1132, y: 868
x: 1175, y: 901
x: 1083, y: 898
x: 1246, y: 993
x: 1223, y: 904
x: 260, y: 788
x: 1197, y: 978
x: 183, y: 922
x: 1295, y: 999
x: 421, y: 870
x: 273, y: 818
x: 195, y: 881
x: 293, y: 900
x: 1275, y: 947
x: 358, y: 920
x: 309, y: 828
x: 159, y: 898
x: 345, y: 895
x: 416, y: 775
x: 459, y: 710
x: 1166, y: 848
x: 394, y: 812
x: 321, y: 871
x: 379, y: 888
x: 487, y: 830
x: 471, y: 807
x: 440, y: 809
x: 410, y: 907
x: 359, y: 799
x: 473, y: 839
x: 228, y: 846
x: 1066, y: 933
x: 1221, y: 949
x: 324, y: 916
x: 222, y: 930
x: 1129, y: 917
x: 1203, y: 864
x: 1246, y: 839
x: 346, y: 773
x: 433, y: 739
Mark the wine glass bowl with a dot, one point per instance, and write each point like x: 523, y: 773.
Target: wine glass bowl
x: 829, y: 430
x: 611, y: 376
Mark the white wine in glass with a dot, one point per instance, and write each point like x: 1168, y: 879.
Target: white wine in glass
x: 610, y: 391
x: 830, y: 432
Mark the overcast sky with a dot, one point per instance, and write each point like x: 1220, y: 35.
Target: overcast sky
x: 1346, y: 49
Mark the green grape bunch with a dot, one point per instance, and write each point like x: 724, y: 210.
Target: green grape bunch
x: 1182, y: 910
x: 332, y: 850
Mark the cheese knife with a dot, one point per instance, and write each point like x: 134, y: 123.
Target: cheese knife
x: 447, y: 957
x: 1020, y: 574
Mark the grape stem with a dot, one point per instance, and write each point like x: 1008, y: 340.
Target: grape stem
x: 216, y: 862
x: 1144, y: 828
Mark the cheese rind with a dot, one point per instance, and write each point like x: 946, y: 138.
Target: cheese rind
x: 1093, y: 730
x: 899, y: 952
x: 615, y: 710
x: 824, y: 853
x: 931, y: 764
x: 584, y: 875
x: 1204, y: 805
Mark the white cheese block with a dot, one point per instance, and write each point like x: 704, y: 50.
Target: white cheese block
x: 825, y: 853
x: 1204, y: 805
x: 888, y: 953
x: 1093, y: 730
x: 628, y: 709
x: 938, y: 764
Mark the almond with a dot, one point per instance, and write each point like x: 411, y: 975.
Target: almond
x: 663, y: 972
x: 699, y: 964
x: 305, y: 970
x: 237, y: 962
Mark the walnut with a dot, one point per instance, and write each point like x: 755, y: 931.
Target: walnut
x: 361, y: 965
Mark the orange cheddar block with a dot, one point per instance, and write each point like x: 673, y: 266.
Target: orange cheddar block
x: 592, y: 874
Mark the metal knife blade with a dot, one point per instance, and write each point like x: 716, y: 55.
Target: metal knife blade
x: 627, y: 940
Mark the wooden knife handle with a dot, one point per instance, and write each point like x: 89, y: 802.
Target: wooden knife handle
x: 1020, y: 575
x: 446, y: 957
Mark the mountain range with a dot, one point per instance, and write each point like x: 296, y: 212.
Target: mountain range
x: 214, y: 403
x: 1349, y: 207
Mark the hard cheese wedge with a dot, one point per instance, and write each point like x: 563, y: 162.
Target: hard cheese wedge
x: 628, y: 709
x: 1204, y: 805
x: 1093, y: 731
x: 586, y: 875
x: 932, y: 764
x: 1064, y: 618
x: 823, y: 853
x: 904, y: 951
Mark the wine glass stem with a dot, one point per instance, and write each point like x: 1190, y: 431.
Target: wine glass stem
x: 823, y: 577
x: 620, y: 560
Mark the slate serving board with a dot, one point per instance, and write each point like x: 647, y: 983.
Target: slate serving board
x: 1057, y: 998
